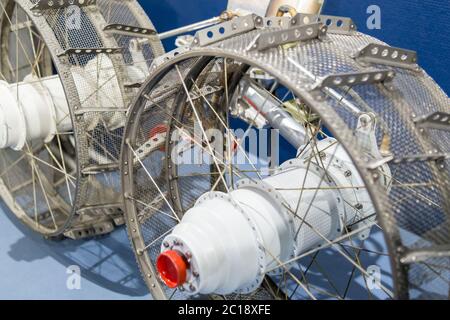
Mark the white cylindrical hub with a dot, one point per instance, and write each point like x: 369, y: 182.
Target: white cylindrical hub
x: 228, y: 242
x: 32, y: 109
x: 37, y: 108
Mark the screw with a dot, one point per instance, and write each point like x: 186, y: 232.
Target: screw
x: 348, y: 173
x: 359, y: 206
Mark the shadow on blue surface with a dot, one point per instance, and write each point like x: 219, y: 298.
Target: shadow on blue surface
x: 105, y: 261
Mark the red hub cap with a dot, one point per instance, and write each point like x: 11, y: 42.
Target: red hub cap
x: 172, y: 268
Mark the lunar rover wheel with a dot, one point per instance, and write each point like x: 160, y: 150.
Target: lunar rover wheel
x: 68, y: 72
x: 360, y: 207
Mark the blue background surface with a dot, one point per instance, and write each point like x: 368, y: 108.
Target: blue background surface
x: 33, y: 268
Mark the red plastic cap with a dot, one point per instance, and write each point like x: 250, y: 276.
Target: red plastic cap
x: 172, y: 268
x: 159, y: 129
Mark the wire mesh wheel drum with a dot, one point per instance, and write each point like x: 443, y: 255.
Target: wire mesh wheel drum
x: 400, y: 189
x: 87, y: 58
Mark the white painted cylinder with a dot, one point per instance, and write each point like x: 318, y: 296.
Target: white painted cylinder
x: 302, y: 6
x: 258, y: 7
x: 319, y: 207
x: 37, y: 108
x: 32, y: 109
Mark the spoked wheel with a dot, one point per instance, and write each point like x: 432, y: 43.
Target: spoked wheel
x: 357, y: 210
x: 68, y: 73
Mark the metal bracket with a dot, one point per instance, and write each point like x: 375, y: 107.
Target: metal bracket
x: 226, y: 30
x: 133, y: 85
x: 422, y: 255
x: 129, y: 30
x: 437, y: 157
x: 168, y: 56
x: 379, y: 163
x: 273, y: 22
x: 352, y: 79
x: 89, y: 51
x: 154, y: 143
x: 338, y: 25
x: 205, y: 91
x: 154, y: 206
x: 90, y: 231
x: 298, y: 33
x: 435, y: 120
x: 22, y: 25
x: 58, y: 4
x: 391, y: 56
x: 94, y: 110
x: 97, y: 169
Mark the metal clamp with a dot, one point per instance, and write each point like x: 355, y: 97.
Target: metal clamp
x: 226, y: 30
x: 435, y: 120
x: 89, y: 51
x: 293, y: 34
x: 352, y: 79
x: 338, y: 25
x: 381, y: 54
x: 59, y: 4
x: 127, y: 30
